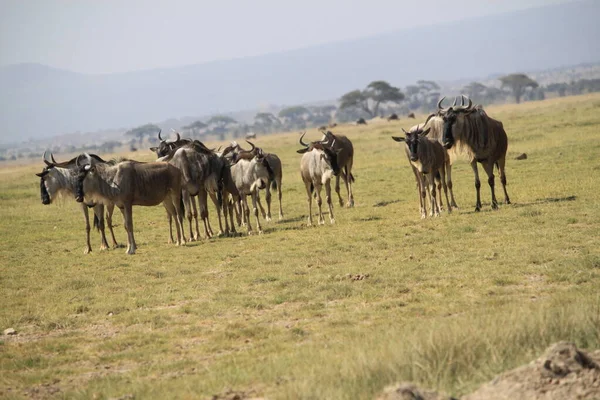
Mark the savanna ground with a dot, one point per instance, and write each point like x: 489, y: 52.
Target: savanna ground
x: 327, y: 312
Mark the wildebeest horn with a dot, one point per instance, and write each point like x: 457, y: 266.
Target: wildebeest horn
x: 88, y: 158
x: 455, y: 100
x: 251, y: 144
x: 52, y: 158
x: 159, y: 138
x: 428, y: 118
x: 470, y: 104
x: 45, y: 159
x: 403, y: 130
x: 439, y: 104
x: 301, y: 142
x: 178, y: 137
x: 462, y: 99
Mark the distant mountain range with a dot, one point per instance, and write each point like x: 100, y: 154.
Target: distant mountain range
x: 37, y: 101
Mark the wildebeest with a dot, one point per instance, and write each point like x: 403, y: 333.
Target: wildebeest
x: 342, y: 146
x: 361, y: 121
x: 317, y: 166
x: 250, y: 173
x: 428, y: 160
x: 411, y: 115
x: 130, y: 183
x: 332, y: 125
x: 251, y: 135
x: 167, y: 147
x: 469, y: 130
x: 275, y: 178
x: 393, y: 117
x: 201, y: 170
x: 60, y: 179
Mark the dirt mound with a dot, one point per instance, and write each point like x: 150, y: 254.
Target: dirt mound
x: 563, y: 372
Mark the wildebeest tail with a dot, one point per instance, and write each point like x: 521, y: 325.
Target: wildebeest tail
x: 96, y: 222
x: 438, y: 176
x: 351, y: 177
x: 274, y: 184
x: 312, y: 188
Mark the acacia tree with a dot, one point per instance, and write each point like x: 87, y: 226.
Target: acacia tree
x: 294, y: 117
x: 518, y: 83
x: 219, y: 124
x: 140, y: 132
x: 372, y: 97
x: 266, y: 122
x: 195, y: 128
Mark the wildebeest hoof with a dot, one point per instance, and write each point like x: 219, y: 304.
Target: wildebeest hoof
x: 260, y: 232
x: 494, y: 206
x: 268, y: 218
x: 87, y: 251
x: 423, y: 216
x: 332, y: 221
x: 477, y: 209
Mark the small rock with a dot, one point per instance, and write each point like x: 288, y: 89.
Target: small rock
x: 9, y: 331
x: 523, y: 156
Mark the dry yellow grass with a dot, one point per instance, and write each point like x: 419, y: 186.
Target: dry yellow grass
x: 445, y: 302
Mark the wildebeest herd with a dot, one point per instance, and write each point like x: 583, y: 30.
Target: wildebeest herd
x: 187, y: 170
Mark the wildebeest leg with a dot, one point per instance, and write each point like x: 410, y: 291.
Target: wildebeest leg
x: 202, y: 200
x: 308, y: 187
x: 443, y: 180
x: 268, y: 199
x: 502, y: 173
x: 329, y: 200
x: 279, y: 195
x: 489, y: 170
x: 348, y: 181
x: 449, y: 184
x: 246, y: 212
x: 195, y: 215
x: 255, y: 211
x: 170, y: 220
x: 319, y: 203
x: 109, y: 213
x: 187, y: 202
x: 262, y: 210
x: 128, y: 222
x: 99, y: 213
x: 176, y: 201
x: 438, y: 183
x: 477, y: 185
x: 86, y: 216
x: 213, y: 197
x: 174, y: 213
x: 423, y: 189
x: 337, y: 189
x: 435, y: 209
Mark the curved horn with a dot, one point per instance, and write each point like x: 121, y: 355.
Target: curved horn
x: 52, y: 158
x: 462, y: 99
x: 470, y: 104
x: 301, y: 142
x: 251, y: 144
x: 439, y: 104
x: 45, y: 159
x: 159, y: 138
x: 403, y: 130
x: 88, y: 158
x: 428, y: 118
x: 455, y: 100
x: 178, y: 136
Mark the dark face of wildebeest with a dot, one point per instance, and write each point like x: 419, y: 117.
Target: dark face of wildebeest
x: 412, y: 142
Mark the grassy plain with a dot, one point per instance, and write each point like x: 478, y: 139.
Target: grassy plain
x: 327, y: 312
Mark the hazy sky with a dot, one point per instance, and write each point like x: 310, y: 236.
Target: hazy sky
x: 104, y: 36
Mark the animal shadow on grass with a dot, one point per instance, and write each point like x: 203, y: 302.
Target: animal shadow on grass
x: 294, y: 219
x: 384, y: 203
x: 545, y: 201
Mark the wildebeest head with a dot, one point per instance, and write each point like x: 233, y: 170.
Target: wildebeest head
x: 328, y: 154
x: 450, y: 116
x: 412, y: 139
x: 52, y: 180
x: 47, y: 178
x: 165, y: 146
x: 83, y: 169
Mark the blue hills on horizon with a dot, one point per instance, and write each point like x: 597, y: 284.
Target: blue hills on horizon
x: 39, y: 101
